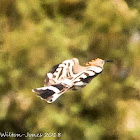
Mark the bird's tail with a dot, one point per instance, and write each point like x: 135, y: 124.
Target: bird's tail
x: 50, y: 93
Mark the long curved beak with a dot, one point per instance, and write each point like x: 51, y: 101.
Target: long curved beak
x: 108, y: 60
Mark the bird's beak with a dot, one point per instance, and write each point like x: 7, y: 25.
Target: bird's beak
x: 108, y: 60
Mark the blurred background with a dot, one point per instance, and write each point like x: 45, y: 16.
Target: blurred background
x: 38, y: 34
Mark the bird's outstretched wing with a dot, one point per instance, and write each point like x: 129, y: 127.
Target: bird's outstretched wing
x: 51, y: 93
x: 60, y: 72
x: 57, y: 81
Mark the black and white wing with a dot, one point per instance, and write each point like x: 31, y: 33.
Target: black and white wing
x: 84, y: 77
x: 57, y: 81
x: 51, y: 93
x: 60, y: 72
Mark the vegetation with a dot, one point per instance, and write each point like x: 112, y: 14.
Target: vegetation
x: 35, y: 35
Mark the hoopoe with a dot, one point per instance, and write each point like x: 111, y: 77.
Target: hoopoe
x: 69, y: 75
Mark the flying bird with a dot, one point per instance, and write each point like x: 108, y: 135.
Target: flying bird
x: 69, y: 75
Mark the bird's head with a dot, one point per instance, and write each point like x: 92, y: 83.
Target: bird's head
x: 97, y: 62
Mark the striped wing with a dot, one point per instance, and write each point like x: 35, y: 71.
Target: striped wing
x: 59, y: 73
x: 51, y: 93
x: 57, y: 81
x: 83, y: 78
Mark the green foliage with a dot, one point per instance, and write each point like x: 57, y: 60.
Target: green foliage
x: 35, y: 35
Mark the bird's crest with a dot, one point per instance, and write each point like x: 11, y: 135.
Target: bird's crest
x: 94, y: 62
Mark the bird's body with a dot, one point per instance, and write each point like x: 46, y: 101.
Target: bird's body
x: 68, y: 75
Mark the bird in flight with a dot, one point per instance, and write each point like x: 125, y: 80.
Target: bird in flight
x: 69, y: 75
